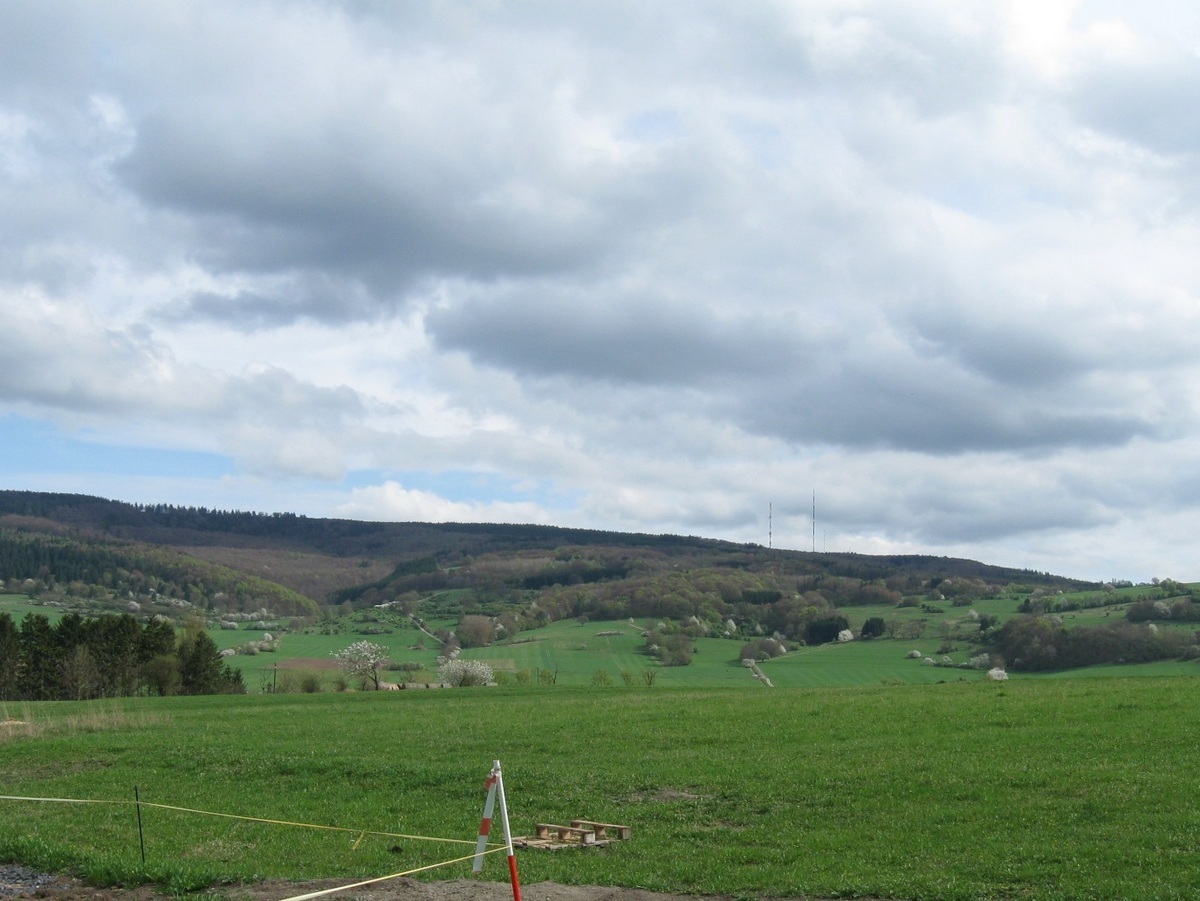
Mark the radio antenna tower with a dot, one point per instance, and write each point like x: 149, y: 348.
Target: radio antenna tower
x: 814, y: 535
x: 770, y: 522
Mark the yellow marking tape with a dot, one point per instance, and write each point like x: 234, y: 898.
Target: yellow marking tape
x: 234, y: 816
x: 346, y: 888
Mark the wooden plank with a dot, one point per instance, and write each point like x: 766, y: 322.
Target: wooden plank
x: 603, y: 829
x: 571, y: 833
x: 530, y: 843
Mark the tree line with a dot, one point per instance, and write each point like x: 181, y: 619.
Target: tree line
x: 113, y: 655
x: 1039, y: 643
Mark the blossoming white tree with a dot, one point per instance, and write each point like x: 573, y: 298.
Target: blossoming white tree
x: 464, y: 672
x: 363, y: 660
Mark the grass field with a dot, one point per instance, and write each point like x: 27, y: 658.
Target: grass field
x: 1032, y: 789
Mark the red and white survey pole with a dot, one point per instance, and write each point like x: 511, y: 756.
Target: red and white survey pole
x: 495, y: 786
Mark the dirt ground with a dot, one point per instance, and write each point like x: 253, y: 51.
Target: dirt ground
x: 58, y: 888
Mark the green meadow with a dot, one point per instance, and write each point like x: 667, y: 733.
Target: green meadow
x: 1030, y: 789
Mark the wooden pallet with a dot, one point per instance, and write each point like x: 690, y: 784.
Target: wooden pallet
x: 580, y: 834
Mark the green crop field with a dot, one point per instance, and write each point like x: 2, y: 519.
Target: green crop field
x: 1031, y: 789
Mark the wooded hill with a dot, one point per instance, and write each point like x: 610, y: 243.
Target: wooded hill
x: 291, y: 565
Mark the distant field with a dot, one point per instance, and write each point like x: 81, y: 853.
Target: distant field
x: 313, y: 652
x: 577, y: 653
x: 18, y: 605
x: 1032, y: 789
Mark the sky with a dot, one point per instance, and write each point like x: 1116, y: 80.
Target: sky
x: 928, y: 267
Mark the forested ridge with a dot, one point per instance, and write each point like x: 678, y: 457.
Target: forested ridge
x: 238, y: 561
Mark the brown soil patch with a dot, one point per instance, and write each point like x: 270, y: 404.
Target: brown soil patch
x: 66, y: 889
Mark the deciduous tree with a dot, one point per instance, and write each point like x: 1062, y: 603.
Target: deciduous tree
x: 363, y: 660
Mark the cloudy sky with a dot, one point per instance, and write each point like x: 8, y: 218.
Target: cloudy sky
x: 645, y: 265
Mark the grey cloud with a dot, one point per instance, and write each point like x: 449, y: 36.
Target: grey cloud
x: 61, y: 360
x: 791, y: 375
x: 997, y: 517
x: 1149, y: 100
x: 414, y: 162
x: 65, y: 360
x: 40, y: 51
x: 1020, y: 353
x: 938, y: 413
x: 280, y: 211
x: 610, y: 336
x: 991, y: 497
x: 317, y: 297
x: 276, y: 394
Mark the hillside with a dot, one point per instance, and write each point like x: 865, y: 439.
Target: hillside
x: 231, y: 559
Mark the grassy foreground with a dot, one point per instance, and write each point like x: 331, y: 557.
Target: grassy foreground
x: 1027, y: 789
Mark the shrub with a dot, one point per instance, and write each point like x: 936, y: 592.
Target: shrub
x: 285, y: 683
x: 911, y: 629
x: 762, y: 649
x: 475, y: 631
x: 825, y: 628
x: 676, y: 650
x: 310, y: 683
x: 873, y: 627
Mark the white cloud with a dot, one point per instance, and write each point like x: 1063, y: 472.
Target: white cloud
x: 392, y: 502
